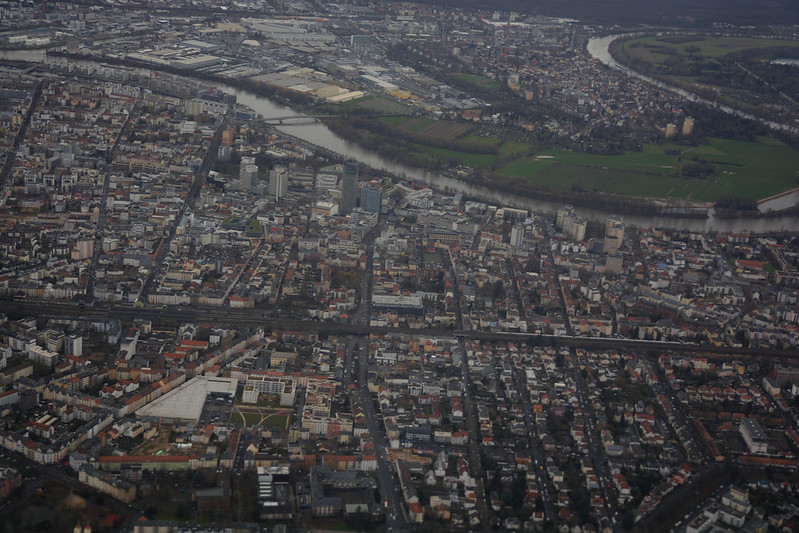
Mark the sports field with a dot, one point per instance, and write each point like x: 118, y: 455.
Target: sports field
x: 758, y: 170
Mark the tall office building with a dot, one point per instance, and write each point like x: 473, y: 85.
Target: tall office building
x: 575, y: 227
x: 248, y: 177
x: 228, y: 136
x: 517, y: 236
x: 278, y: 182
x: 688, y: 126
x: 614, y: 233
x: 569, y: 223
x: 349, y: 187
x: 248, y: 174
x: 73, y: 345
x: 223, y: 152
x: 563, y: 213
x: 371, y: 198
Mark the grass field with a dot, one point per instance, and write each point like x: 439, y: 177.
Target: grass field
x: 464, y: 158
x: 757, y: 169
x: 462, y: 131
x: 254, y: 419
x: 394, y: 121
x: 376, y: 104
x: 418, y: 125
x: 513, y: 148
x: 658, y: 49
x: 478, y: 81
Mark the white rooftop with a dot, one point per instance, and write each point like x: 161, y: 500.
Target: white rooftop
x: 186, y: 402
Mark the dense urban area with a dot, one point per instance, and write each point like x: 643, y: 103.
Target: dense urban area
x: 209, y: 324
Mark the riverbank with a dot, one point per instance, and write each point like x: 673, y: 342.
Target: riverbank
x: 390, y: 147
x: 317, y: 134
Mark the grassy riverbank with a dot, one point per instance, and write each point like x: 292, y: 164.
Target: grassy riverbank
x: 754, y: 169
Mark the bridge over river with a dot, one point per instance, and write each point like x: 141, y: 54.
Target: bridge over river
x: 294, y: 119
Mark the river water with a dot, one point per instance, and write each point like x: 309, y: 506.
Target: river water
x: 318, y: 134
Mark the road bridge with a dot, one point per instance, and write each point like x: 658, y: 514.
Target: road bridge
x: 294, y: 119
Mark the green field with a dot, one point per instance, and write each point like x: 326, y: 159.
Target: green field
x: 443, y: 130
x: 478, y: 81
x: 658, y: 49
x: 394, y: 121
x: 371, y: 102
x: 254, y: 419
x: 757, y: 169
x: 417, y: 125
x: 513, y: 148
x: 470, y: 160
x: 727, y: 69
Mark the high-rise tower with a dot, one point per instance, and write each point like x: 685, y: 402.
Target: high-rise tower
x: 349, y: 187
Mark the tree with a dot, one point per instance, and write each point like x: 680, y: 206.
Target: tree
x: 692, y: 50
x: 182, y: 512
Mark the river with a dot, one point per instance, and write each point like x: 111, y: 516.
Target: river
x: 318, y: 134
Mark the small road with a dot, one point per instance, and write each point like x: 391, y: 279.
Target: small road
x: 98, y: 235
x: 473, y: 444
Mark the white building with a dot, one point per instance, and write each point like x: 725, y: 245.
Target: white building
x: 42, y: 357
x: 753, y: 435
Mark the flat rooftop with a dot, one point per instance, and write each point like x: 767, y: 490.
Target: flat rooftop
x: 186, y: 402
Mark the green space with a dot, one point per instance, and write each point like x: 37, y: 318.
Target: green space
x: 473, y: 137
x: 394, y: 121
x: 757, y: 169
x: 245, y: 419
x: 706, y: 172
x: 512, y: 148
x: 268, y: 420
x: 477, y: 81
x: 254, y: 227
x: 417, y: 125
x: 377, y: 104
x: 54, y: 507
x: 696, y: 46
x: 453, y: 141
x: 276, y: 421
x: 737, y: 71
x: 425, y: 154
